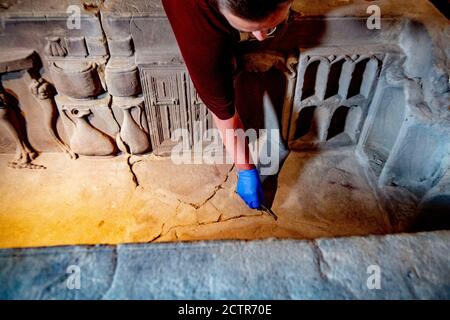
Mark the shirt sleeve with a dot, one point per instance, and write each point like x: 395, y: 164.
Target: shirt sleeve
x: 206, y: 47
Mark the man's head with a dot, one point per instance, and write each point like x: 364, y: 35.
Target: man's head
x: 259, y: 17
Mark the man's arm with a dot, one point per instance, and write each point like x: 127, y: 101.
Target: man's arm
x: 205, y: 40
x: 237, y: 148
x: 249, y: 185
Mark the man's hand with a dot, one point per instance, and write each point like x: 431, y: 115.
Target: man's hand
x: 249, y: 183
x: 249, y: 188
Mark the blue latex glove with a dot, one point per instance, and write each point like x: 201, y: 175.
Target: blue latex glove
x: 249, y: 188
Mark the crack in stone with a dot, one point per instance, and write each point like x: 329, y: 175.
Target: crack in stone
x: 134, y: 177
x: 116, y: 263
x: 198, y: 224
x: 217, y: 209
x: 319, y: 260
x: 239, y: 217
x: 159, y: 235
x: 178, y: 206
x: 197, y: 206
x: 137, y: 161
x: 321, y: 264
x: 47, y: 287
x: 410, y: 284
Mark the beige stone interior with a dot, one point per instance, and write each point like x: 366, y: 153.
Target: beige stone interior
x: 149, y: 199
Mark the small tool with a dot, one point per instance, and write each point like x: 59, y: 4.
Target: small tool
x: 269, y: 211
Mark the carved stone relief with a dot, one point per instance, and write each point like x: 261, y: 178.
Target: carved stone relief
x: 173, y: 103
x: 122, y: 78
x: 24, y: 153
x: 99, y: 93
x: 76, y: 79
x: 44, y: 94
x: 85, y: 138
x: 332, y: 97
x: 118, y: 85
x: 133, y: 135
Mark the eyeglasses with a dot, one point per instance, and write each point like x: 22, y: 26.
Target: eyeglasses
x: 271, y: 31
x: 249, y: 36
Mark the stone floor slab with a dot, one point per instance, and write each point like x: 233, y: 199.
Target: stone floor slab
x: 412, y: 266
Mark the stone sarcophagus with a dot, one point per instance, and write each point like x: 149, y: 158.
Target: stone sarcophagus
x: 106, y: 78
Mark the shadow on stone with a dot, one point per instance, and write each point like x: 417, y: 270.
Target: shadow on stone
x: 434, y: 215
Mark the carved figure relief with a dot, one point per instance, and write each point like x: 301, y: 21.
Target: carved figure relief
x: 43, y: 92
x: 13, y: 61
x: 24, y: 152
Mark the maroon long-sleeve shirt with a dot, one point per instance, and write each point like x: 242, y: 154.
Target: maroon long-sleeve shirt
x: 206, y: 41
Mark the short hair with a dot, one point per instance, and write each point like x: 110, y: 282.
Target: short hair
x: 254, y: 10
